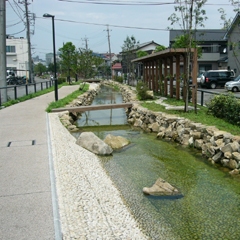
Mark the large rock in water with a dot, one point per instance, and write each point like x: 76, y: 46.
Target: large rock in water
x: 161, y: 188
x: 94, y: 144
x: 116, y: 142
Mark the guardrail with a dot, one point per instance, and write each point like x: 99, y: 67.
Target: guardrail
x: 24, y: 89
x: 209, y: 92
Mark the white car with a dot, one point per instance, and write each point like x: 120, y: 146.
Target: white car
x: 233, y: 85
x: 199, y: 77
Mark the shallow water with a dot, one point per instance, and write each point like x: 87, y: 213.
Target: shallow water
x: 108, y: 116
x: 210, y: 206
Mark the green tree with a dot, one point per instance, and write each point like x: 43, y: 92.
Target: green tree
x: 141, y: 54
x: 129, y: 47
x: 189, y: 14
x: 40, y: 69
x: 51, y: 69
x: 223, y: 16
x: 159, y: 48
x: 68, y: 62
x: 87, y: 63
x: 182, y: 42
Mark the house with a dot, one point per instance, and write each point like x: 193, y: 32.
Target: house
x: 17, y: 55
x: 213, y: 46
x: 233, y: 42
x: 148, y: 47
x: 117, y: 69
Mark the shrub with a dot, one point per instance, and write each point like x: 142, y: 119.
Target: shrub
x: 61, y: 80
x: 142, y: 91
x: 118, y: 79
x: 226, y: 107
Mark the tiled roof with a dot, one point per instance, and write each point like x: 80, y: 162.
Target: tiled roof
x: 206, y: 35
x: 117, y: 66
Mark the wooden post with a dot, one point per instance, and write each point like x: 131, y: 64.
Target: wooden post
x: 153, y: 76
x: 165, y: 77
x: 177, y: 77
x: 171, y: 76
x: 157, y: 75
x: 194, y: 78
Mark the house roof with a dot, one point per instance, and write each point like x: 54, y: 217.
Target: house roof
x: 117, y: 66
x: 235, y: 21
x: 142, y: 45
x: 163, y: 54
x: 206, y: 35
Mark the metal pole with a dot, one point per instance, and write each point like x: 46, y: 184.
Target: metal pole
x: 3, y: 64
x: 55, y: 64
x: 29, y: 44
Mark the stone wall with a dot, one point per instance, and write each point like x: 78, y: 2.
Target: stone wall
x: 217, y: 146
x: 67, y: 118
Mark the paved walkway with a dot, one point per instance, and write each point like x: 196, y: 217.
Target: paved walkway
x: 45, y: 176
x: 26, y: 207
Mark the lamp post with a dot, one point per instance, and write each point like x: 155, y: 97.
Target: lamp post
x: 54, y: 56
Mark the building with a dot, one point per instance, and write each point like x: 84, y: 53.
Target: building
x: 213, y: 46
x: 233, y: 40
x: 17, y: 55
x: 147, y: 47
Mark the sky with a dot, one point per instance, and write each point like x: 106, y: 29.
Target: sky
x: 82, y: 22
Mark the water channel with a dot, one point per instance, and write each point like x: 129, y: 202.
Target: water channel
x: 210, y: 205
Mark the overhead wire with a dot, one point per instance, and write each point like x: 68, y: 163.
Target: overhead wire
x: 17, y: 13
x: 119, y: 3
x: 136, y: 3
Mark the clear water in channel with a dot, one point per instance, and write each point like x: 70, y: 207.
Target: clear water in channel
x: 209, y: 207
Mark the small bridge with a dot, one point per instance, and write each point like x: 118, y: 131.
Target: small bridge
x: 93, y: 107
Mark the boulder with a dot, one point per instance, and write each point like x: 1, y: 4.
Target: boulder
x: 161, y: 188
x: 92, y: 143
x: 116, y: 142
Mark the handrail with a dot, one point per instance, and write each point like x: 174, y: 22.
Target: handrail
x: 48, y: 83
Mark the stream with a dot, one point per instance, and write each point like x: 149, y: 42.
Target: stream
x: 209, y: 207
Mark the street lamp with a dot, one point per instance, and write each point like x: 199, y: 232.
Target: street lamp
x: 54, y: 56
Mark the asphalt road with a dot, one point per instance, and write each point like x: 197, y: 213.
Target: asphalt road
x: 22, y: 90
x: 210, y: 93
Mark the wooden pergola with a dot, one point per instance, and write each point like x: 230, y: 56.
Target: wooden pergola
x: 161, y: 67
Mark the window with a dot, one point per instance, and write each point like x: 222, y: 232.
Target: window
x: 10, y: 49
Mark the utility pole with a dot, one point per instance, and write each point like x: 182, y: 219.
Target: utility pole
x: 30, y: 66
x: 109, y: 47
x: 86, y: 42
x: 3, y: 63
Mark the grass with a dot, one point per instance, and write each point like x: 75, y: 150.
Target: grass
x: 64, y: 101
x: 200, y: 117
x: 33, y: 95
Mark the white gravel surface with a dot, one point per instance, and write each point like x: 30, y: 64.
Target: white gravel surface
x: 90, y: 206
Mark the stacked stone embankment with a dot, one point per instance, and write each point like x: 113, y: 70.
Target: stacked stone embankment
x: 217, y: 146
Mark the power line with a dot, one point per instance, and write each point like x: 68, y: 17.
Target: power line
x: 117, y: 26
x: 119, y: 3
x: 132, y: 3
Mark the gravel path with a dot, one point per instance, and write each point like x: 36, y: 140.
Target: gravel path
x: 90, y: 206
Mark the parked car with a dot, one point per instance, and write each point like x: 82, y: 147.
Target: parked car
x: 199, y: 77
x: 233, y: 85
x: 213, y: 78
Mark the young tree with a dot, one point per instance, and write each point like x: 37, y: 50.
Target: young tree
x: 189, y: 14
x: 160, y: 48
x: 68, y: 55
x: 141, y: 54
x: 129, y: 47
x: 87, y: 63
x: 40, y: 69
